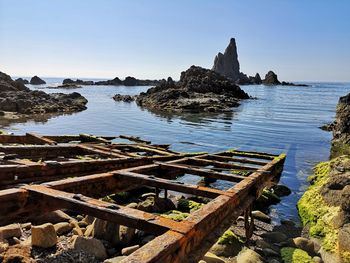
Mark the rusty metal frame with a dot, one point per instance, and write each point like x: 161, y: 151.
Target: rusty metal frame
x: 250, y: 172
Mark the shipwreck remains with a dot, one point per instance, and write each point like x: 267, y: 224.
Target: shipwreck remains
x: 45, y: 173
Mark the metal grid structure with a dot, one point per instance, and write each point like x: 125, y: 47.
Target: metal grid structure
x: 48, y: 177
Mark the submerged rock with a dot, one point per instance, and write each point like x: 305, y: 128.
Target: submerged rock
x: 124, y: 98
x: 198, y: 90
x: 37, y: 81
x: 22, y: 81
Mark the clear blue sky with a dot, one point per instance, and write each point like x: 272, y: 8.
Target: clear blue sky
x: 298, y: 39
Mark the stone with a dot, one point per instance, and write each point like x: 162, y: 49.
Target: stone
x: 9, y: 231
x: 90, y: 245
x: 53, y: 217
x: 126, y: 234
x: 62, y: 228
x: 275, y: 237
x: 115, y: 259
x: 124, y: 98
x: 211, y: 258
x: 228, y: 245
x: 36, y: 81
x: 3, y: 247
x: 281, y: 190
x: 227, y: 64
x: 317, y: 259
x: 22, y: 81
x: 271, y: 79
x: 249, y: 256
x: 102, y: 229
x: 263, y: 244
x: 270, y: 252
x: 44, y: 235
x: 89, y: 219
x: 128, y: 250
x: 304, y: 244
x: 344, y: 238
x: 18, y: 254
x: 261, y: 216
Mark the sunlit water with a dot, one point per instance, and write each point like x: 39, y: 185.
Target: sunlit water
x: 281, y: 119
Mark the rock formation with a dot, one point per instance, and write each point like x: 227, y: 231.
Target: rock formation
x: 124, y: 98
x: 17, y: 98
x: 77, y: 82
x: 325, y: 206
x: 227, y: 64
x: 198, y: 90
x: 271, y: 79
x: 114, y: 82
x: 23, y: 81
x: 36, y: 81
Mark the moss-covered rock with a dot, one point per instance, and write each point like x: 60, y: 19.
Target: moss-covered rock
x: 295, y: 255
x: 175, y: 215
x: 315, y: 212
x: 228, y: 245
x: 188, y: 206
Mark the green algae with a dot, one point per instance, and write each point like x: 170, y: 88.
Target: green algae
x: 241, y: 172
x: 175, y: 215
x: 187, y: 206
x: 295, y: 255
x: 314, y: 211
x: 229, y: 238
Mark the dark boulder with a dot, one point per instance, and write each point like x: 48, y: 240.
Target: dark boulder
x: 22, y: 81
x: 37, y: 81
x: 130, y: 81
x: 124, y: 98
x: 7, y: 84
x: 271, y: 79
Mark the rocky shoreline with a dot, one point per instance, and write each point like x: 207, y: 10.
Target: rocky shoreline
x: 18, y: 101
x: 325, y: 207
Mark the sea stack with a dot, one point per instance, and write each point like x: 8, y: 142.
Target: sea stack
x: 227, y: 64
x: 271, y: 79
x: 37, y: 81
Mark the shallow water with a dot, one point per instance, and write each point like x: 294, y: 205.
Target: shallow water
x: 281, y: 119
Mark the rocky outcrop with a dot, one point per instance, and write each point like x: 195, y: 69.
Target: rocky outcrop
x: 341, y: 128
x: 37, y: 81
x: 17, y: 98
x: 77, y: 82
x: 124, y: 98
x: 114, y: 82
x: 271, y: 79
x: 23, y: 81
x: 198, y: 90
x: 227, y: 64
x: 325, y: 206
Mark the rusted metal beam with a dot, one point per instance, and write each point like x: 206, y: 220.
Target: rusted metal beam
x: 203, y: 161
x: 202, y: 172
x: 107, y: 211
x: 37, y: 139
x: 222, y: 158
x: 153, y: 181
x: 256, y: 155
x: 174, y: 247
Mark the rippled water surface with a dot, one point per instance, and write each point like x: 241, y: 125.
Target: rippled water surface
x: 280, y: 119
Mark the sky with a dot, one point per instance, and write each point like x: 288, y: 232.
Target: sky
x: 301, y: 40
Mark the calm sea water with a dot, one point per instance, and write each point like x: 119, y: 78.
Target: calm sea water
x: 281, y: 119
